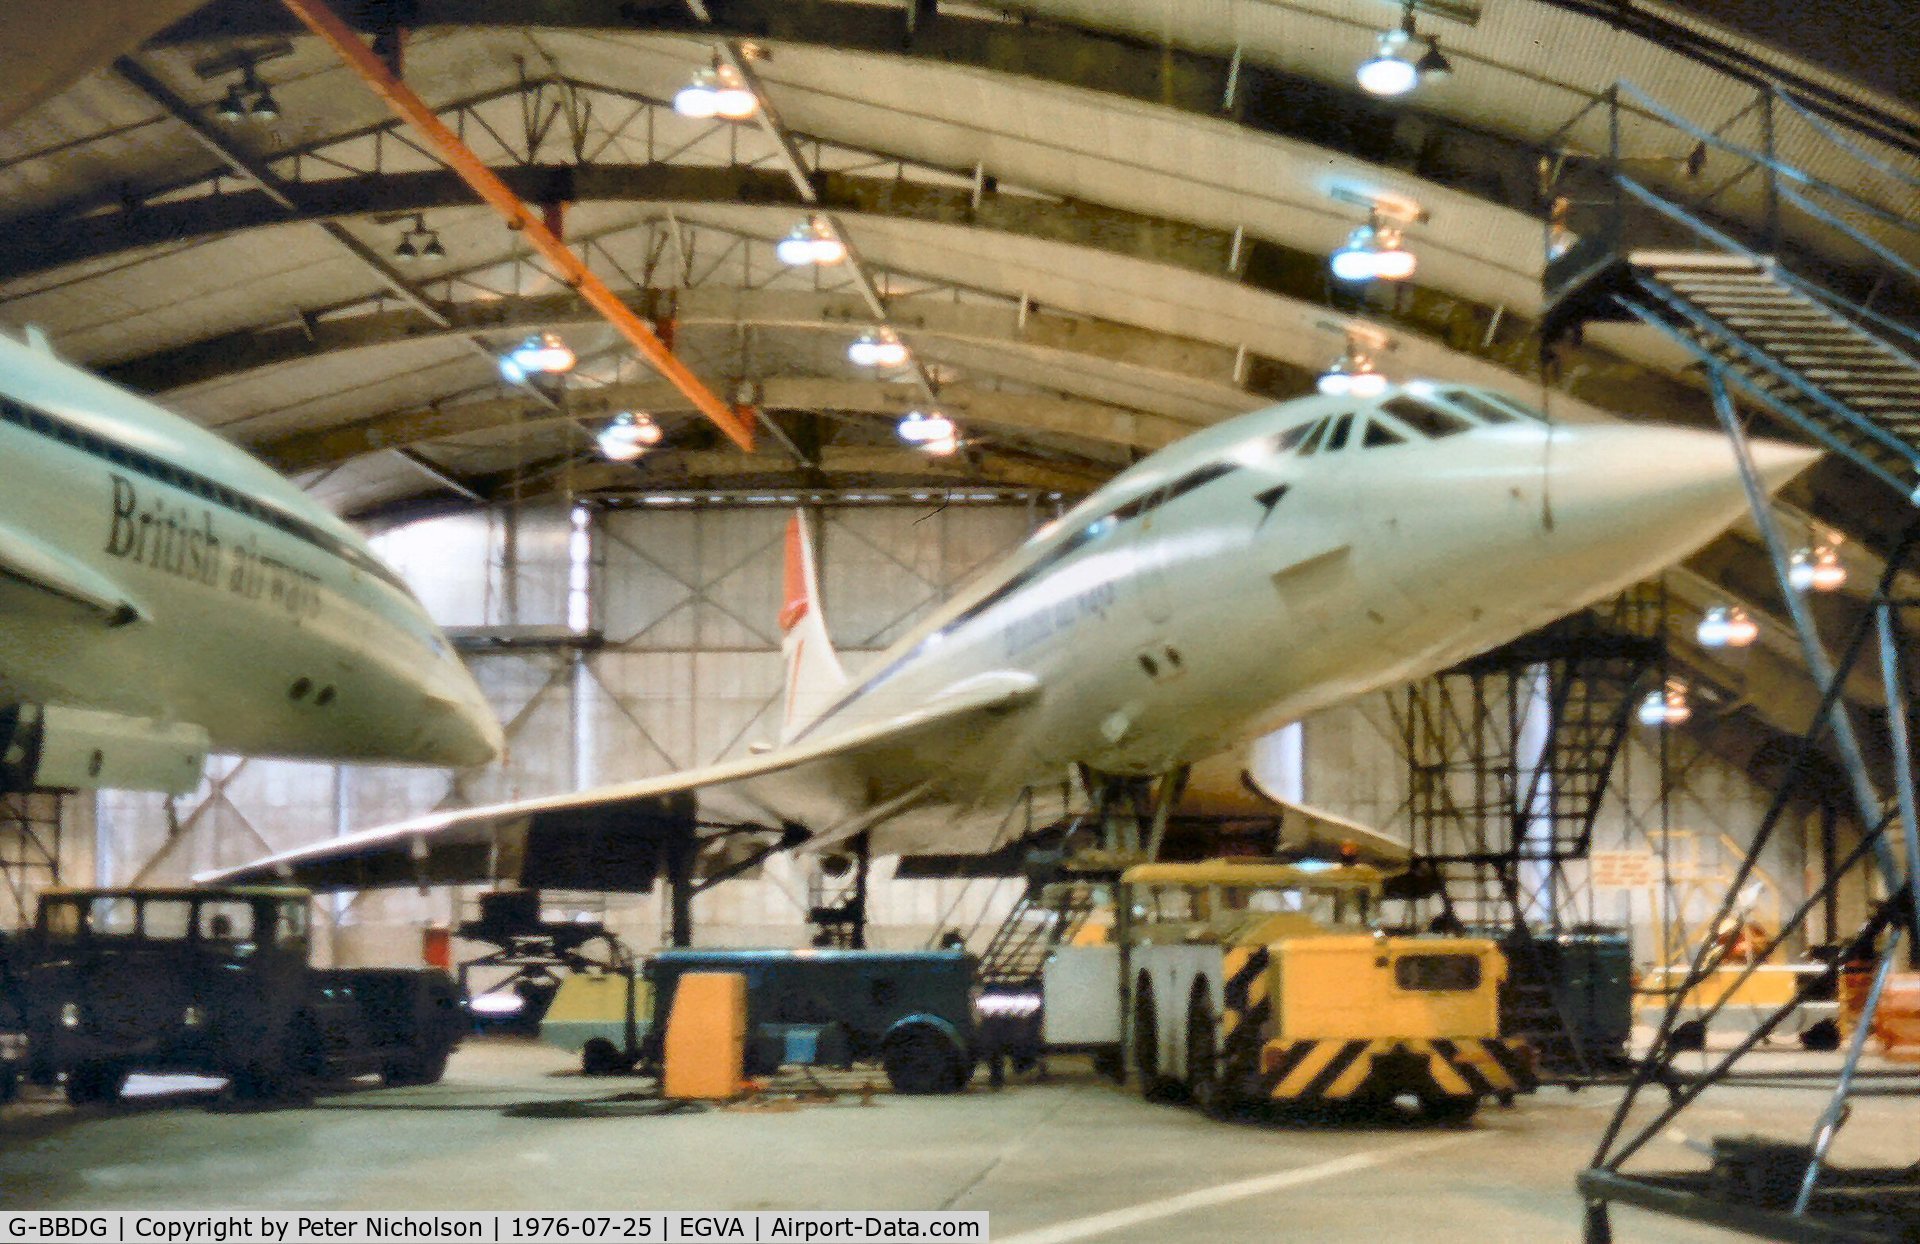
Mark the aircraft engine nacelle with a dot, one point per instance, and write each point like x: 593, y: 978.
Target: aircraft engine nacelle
x: 55, y: 747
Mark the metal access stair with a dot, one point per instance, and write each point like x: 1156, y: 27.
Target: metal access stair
x: 1043, y: 917
x: 1843, y: 380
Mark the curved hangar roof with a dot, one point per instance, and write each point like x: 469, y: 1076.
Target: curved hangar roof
x: 1099, y: 225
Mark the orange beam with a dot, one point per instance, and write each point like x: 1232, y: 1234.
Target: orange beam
x: 457, y: 156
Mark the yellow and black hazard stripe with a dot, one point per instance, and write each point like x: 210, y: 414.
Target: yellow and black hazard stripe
x: 1308, y: 1071
x: 1245, y: 1009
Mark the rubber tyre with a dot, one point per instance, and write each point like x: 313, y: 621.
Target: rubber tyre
x: 415, y: 1069
x: 1154, y: 1085
x: 921, y: 1060
x: 91, y: 1083
x: 288, y: 1070
x: 1204, y: 1088
x: 601, y: 1057
x: 1449, y: 1111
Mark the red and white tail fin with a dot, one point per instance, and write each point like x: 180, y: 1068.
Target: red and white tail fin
x: 814, y: 676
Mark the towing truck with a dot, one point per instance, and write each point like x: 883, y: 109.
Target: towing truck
x: 1232, y: 982
x: 216, y: 982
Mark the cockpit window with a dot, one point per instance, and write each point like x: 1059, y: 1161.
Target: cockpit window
x: 1313, y: 441
x: 1478, y: 404
x: 1426, y: 420
x: 1291, y: 438
x: 1337, y: 439
x: 1379, y: 434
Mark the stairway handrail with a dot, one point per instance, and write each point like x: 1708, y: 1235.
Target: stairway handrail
x: 1777, y: 165
x: 1829, y: 132
x: 1680, y: 215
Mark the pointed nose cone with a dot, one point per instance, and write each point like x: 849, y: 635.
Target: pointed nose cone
x: 1628, y: 500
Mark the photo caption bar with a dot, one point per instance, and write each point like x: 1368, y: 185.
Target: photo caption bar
x: 375, y: 1227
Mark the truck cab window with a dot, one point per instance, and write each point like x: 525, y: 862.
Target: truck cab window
x: 62, y: 918
x: 114, y: 916
x: 166, y: 919
x: 293, y: 925
x: 227, y: 922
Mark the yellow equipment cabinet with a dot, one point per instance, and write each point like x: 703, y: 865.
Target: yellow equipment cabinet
x: 1244, y: 981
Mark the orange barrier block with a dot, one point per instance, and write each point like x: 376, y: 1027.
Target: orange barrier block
x: 706, y: 1048
x: 1897, y: 1025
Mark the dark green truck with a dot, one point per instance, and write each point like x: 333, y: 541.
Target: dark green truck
x: 216, y: 982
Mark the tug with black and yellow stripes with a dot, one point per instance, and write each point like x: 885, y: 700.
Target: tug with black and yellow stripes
x: 1251, y: 981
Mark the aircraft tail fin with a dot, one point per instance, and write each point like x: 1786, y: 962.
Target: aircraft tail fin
x: 814, y: 675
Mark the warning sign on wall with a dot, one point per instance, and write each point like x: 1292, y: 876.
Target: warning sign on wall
x: 1624, y: 869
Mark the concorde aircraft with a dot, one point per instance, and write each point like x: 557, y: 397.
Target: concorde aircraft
x: 162, y: 594
x: 1255, y: 572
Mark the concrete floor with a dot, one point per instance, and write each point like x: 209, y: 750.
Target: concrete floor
x: 514, y: 1127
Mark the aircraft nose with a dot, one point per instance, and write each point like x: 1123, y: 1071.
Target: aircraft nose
x: 1649, y: 495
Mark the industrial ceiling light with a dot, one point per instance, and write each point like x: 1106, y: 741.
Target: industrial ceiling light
x: 232, y: 106
x: 542, y: 353
x: 406, y: 252
x: 433, y: 249
x: 1666, y: 707
x: 1432, y: 63
x: 811, y: 242
x: 1352, y: 375
x: 1391, y: 72
x: 929, y: 431
x: 628, y: 435
x: 1817, y: 569
x: 1354, y: 260
x: 1375, y: 250
x: 1388, y: 73
x: 419, y: 240
x: 717, y: 92
x: 1727, y: 626
x: 265, y: 106
x: 882, y: 349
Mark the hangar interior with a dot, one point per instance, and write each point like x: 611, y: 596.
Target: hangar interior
x: 1094, y: 228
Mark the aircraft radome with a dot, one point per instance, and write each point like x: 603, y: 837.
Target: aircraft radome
x: 1251, y: 574
x: 163, y: 594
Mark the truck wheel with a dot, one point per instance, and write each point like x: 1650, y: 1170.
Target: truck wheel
x: 1153, y: 1084
x: 601, y: 1057
x: 418, y: 1068
x: 919, y: 1059
x: 1449, y: 1111
x: 1203, y: 1060
x: 94, y: 1082
x: 289, y: 1068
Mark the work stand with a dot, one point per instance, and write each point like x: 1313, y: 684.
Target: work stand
x: 1709, y: 236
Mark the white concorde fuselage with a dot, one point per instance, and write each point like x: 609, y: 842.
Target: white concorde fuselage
x: 1284, y: 561
x: 261, y: 616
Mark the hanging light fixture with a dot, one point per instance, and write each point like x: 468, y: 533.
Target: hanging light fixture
x: 542, y: 353
x: 1375, y: 250
x: 1816, y: 569
x: 929, y: 431
x: 1391, y: 71
x: 628, y: 435
x: 232, y: 106
x: 1352, y: 375
x: 882, y: 349
x: 811, y: 242
x: 1666, y: 706
x: 1727, y: 626
x: 716, y: 92
x: 419, y: 241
